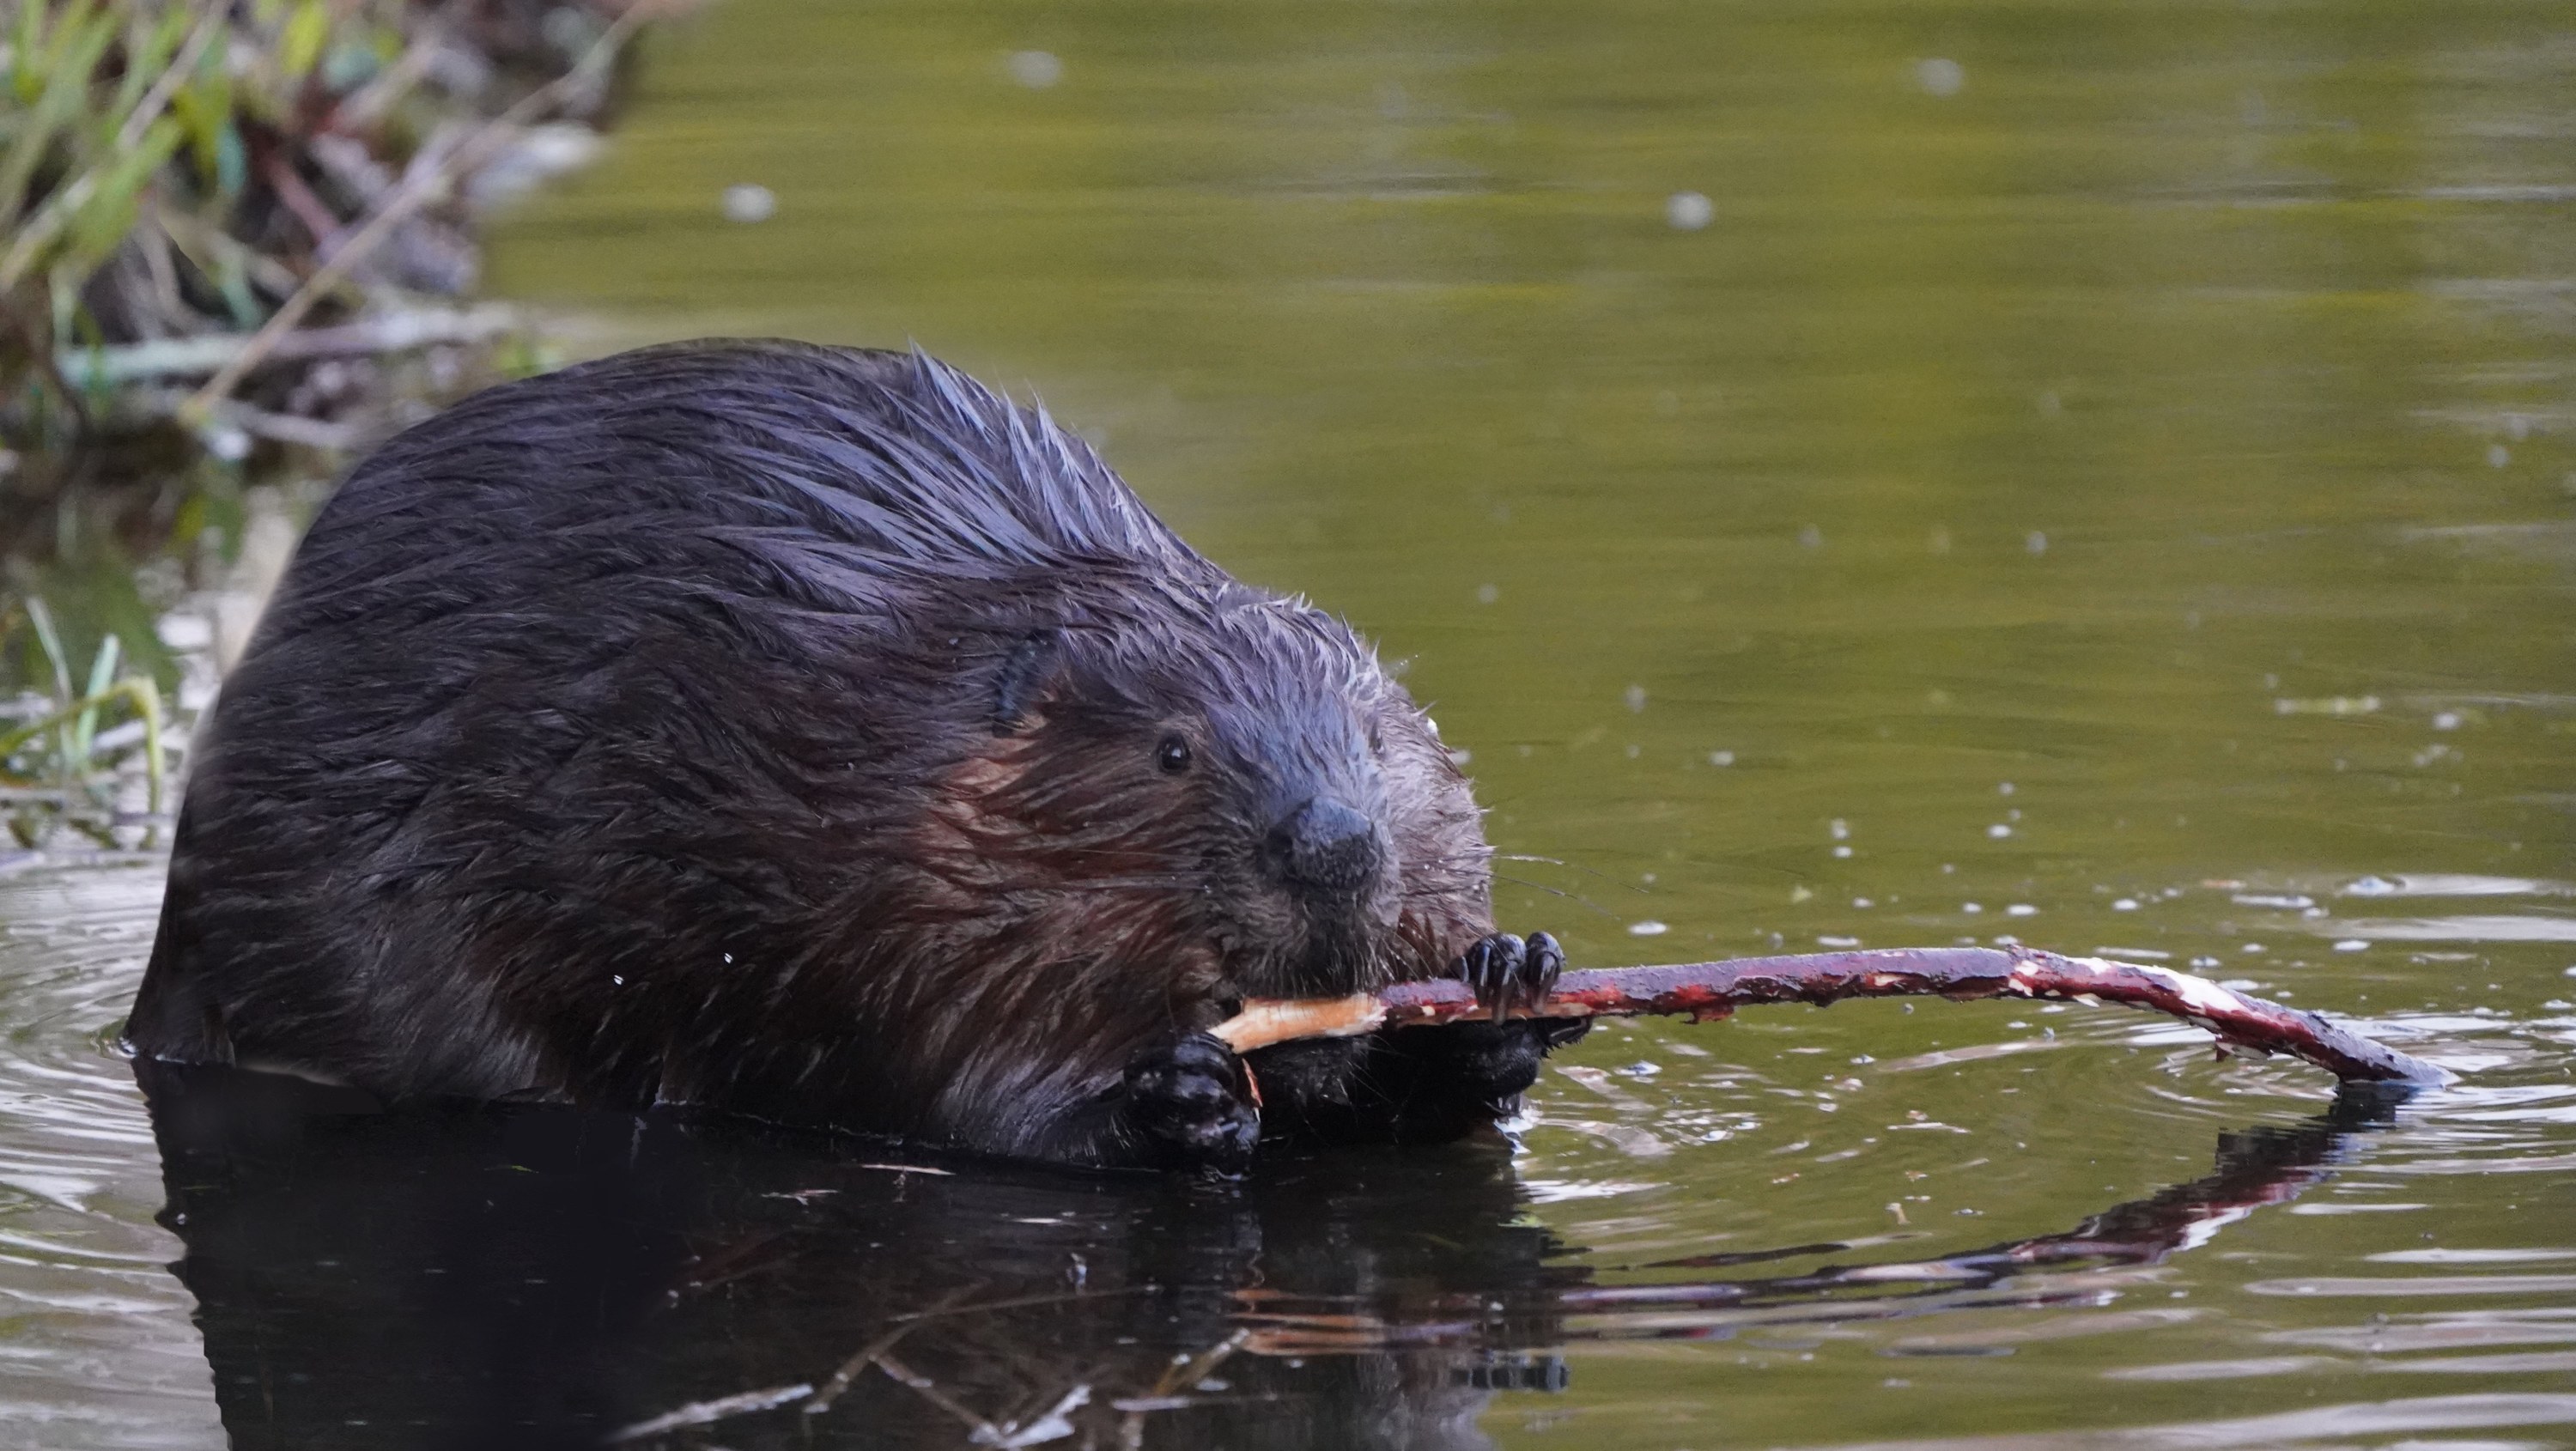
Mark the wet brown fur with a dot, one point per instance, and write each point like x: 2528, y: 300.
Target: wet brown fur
x: 776, y: 728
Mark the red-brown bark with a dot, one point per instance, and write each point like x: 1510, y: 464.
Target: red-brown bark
x: 1704, y: 990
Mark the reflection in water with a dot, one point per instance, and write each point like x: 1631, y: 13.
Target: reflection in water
x: 512, y: 1276
x: 494, y: 1276
x: 2255, y: 1167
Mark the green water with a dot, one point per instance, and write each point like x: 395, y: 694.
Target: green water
x: 2183, y: 362
x: 2097, y: 474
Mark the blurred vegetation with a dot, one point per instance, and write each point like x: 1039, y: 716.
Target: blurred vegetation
x: 172, y: 175
x: 237, y: 244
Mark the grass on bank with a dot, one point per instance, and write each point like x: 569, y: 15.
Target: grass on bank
x: 72, y: 753
x: 233, y: 230
x: 236, y: 244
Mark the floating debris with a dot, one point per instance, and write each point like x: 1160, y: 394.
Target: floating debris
x: 1036, y: 69
x: 1940, y: 76
x: 748, y: 203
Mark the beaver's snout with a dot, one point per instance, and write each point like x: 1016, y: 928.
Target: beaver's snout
x: 1324, y: 846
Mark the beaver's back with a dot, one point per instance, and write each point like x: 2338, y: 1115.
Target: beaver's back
x: 634, y: 647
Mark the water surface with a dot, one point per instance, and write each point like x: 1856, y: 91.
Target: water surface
x: 2093, y: 474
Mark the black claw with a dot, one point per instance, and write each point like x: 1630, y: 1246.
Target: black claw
x: 1191, y: 1096
x: 1492, y: 968
x: 1546, y: 964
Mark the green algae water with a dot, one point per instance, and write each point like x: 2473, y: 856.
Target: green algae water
x: 2097, y: 475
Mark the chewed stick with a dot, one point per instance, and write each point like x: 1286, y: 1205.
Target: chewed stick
x: 1705, y: 990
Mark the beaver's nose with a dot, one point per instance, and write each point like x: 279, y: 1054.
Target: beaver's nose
x: 1325, y: 846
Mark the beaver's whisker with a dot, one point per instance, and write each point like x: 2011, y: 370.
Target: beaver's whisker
x: 1585, y: 902
x: 1460, y: 859
x: 1572, y: 867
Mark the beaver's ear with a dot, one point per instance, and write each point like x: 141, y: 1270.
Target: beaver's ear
x: 1026, y: 672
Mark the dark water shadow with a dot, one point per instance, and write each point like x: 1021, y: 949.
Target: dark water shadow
x: 541, y: 1277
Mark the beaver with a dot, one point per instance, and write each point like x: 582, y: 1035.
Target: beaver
x: 815, y: 734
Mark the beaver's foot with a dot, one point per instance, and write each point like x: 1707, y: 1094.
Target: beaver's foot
x: 1188, y: 1099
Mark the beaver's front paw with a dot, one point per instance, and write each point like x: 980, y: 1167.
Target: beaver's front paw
x: 1189, y: 1098
x: 1494, y: 1062
x: 1509, y: 973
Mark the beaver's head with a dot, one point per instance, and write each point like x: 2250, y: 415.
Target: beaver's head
x: 1224, y: 784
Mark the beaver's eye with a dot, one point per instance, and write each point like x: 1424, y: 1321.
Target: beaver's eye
x: 1173, y: 755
